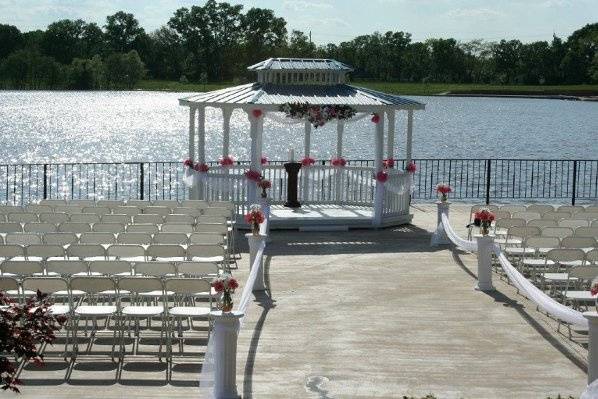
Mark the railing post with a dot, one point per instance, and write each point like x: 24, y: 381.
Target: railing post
x: 488, y: 174
x: 485, y: 249
x: 439, y: 237
x: 45, y: 181
x: 141, y: 182
x: 592, y: 317
x: 225, y: 333
x: 254, y: 244
x: 574, y: 188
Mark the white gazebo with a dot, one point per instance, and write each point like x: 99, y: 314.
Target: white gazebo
x: 348, y: 196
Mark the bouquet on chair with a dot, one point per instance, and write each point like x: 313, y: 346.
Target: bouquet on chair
x: 225, y: 284
x: 484, y: 219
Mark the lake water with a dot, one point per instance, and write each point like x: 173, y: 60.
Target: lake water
x: 44, y: 126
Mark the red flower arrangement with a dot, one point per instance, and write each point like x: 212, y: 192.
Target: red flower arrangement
x: 23, y: 327
x: 382, y: 176
x: 443, y: 189
x: 594, y: 289
x: 226, y: 285
x: 307, y: 161
x: 201, y: 167
x: 188, y: 163
x: 388, y: 163
x: 411, y: 168
x: 254, y: 218
x: 484, y: 219
x: 257, y: 113
x: 264, y: 161
x: 375, y: 118
x: 264, y: 184
x: 338, y: 162
x: 253, y: 175
x: 227, y: 161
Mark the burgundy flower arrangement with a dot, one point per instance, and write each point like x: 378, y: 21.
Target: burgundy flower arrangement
x: 484, y: 219
x: 227, y: 161
x: 226, y: 285
x: 257, y: 113
x: 411, y: 168
x: 253, y: 175
x: 201, y: 167
x: 307, y: 161
x: 443, y: 189
x: 264, y: 161
x: 254, y: 218
x: 375, y: 118
x: 264, y: 184
x: 338, y: 162
x: 23, y: 327
x: 188, y: 163
x: 317, y: 115
x: 382, y: 176
x: 388, y: 163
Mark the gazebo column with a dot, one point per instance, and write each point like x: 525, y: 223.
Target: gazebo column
x: 191, y: 140
x: 379, y: 152
x: 340, y: 129
x: 255, y: 131
x: 226, y: 115
x: 391, y: 134
x: 201, y: 148
x: 409, y: 144
x: 306, y: 153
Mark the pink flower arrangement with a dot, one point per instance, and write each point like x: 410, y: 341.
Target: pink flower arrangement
x: 338, y: 162
x: 594, y: 289
x: 375, y: 118
x: 227, y: 161
x: 307, y: 161
x: 443, y: 189
x: 483, y: 218
x: 255, y: 216
x: 201, y: 167
x: 411, y: 168
x: 188, y: 163
x: 382, y: 176
x: 388, y: 163
x: 257, y: 113
x: 264, y: 184
x: 264, y: 161
x: 226, y: 285
x: 253, y: 175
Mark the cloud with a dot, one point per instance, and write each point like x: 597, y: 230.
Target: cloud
x: 477, y: 13
x: 303, y: 5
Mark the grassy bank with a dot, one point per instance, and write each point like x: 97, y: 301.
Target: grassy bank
x: 421, y: 89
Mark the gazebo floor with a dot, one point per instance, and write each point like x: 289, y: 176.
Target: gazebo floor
x: 326, y: 217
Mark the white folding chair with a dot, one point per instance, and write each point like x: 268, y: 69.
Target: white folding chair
x: 131, y: 253
x: 81, y: 202
x: 182, y: 210
x: 109, y: 203
x: 142, y: 228
x: 170, y: 238
x: 67, y: 268
x: 115, y: 268
x: 148, y: 219
x: 35, y: 208
x: 85, y: 218
x: 540, y: 208
x: 198, y: 204
x: 118, y: 218
x: 76, y: 228
x: 97, y: 238
x: 69, y: 209
x: 177, y: 228
x: 526, y: 215
x: 11, y: 228
x: 542, y: 223
x: 11, y: 251
x: 22, y: 268
x: 134, y: 238
x: 98, y: 210
x: 23, y: 238
x: 87, y: 252
x: 180, y: 219
x: 572, y: 209
x: 556, y: 215
x: 22, y: 217
x: 586, y: 232
x: 52, y: 202
x: 207, y: 238
x: 127, y: 210
x: 585, y: 243
x: 60, y: 238
x: 167, y: 203
x: 44, y: 252
x: 166, y: 252
x: 157, y: 210
x: 512, y: 208
x: 198, y: 269
x: 138, y: 203
x: 206, y: 253
x: 39, y: 228
x: 573, y: 223
x: 113, y: 228
x: 559, y: 232
x: 54, y: 218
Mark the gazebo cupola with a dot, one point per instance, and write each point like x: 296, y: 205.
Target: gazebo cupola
x: 299, y: 71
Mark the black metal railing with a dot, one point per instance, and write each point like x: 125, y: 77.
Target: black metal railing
x: 489, y: 180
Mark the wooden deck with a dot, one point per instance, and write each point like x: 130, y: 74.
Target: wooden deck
x: 360, y: 314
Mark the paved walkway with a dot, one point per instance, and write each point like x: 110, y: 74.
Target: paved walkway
x: 365, y: 314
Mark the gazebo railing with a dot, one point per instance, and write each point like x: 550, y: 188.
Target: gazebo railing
x: 477, y: 180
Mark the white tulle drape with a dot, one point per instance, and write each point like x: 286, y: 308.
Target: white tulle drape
x: 470, y: 246
x: 208, y: 369
x: 544, y: 302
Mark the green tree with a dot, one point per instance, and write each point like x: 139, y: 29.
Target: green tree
x: 264, y: 34
x: 300, y: 45
x: 10, y: 40
x: 63, y: 40
x: 123, y: 71
x: 122, y: 31
x: 27, y: 69
x: 582, y: 47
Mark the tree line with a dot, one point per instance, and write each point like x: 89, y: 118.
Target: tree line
x: 217, y: 41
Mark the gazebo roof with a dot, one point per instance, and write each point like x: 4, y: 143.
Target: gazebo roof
x: 271, y: 96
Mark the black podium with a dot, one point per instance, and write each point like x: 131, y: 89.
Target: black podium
x: 292, y: 169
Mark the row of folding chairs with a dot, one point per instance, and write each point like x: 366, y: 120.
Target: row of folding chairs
x: 115, y: 228
x: 122, y: 304
x: 112, y: 268
x: 200, y: 204
x: 537, y: 208
x: 119, y: 210
x: 55, y: 218
x: 515, y: 229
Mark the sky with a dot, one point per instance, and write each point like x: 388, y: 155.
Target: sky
x: 340, y: 20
